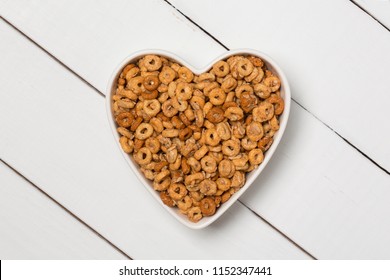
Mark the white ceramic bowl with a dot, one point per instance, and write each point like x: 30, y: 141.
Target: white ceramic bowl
x: 250, y: 177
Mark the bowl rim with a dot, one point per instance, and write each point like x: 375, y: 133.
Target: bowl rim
x: 206, y: 221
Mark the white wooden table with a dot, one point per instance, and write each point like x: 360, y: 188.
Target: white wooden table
x: 66, y: 192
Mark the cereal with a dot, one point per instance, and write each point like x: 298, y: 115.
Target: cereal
x: 196, y: 136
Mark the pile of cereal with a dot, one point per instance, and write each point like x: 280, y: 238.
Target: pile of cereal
x: 195, y: 136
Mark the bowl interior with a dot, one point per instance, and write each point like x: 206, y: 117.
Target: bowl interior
x: 250, y: 177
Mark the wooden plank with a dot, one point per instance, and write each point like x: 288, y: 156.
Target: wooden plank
x: 379, y: 9
x: 313, y: 154
x: 336, y: 57
x: 34, y: 227
x: 54, y: 130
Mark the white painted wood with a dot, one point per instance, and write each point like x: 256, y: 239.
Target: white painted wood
x: 54, y: 130
x: 34, y: 227
x: 336, y: 57
x: 314, y: 153
x: 380, y: 9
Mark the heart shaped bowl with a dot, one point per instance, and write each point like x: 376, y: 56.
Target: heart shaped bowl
x: 250, y: 177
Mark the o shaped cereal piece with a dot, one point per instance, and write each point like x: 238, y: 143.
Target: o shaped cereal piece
x: 152, y: 107
x: 212, y: 137
x: 167, y: 75
x: 144, y: 156
x: 234, y: 113
x: 151, y: 82
x: 226, y: 168
x: 255, y: 131
x: 152, y: 62
x: 244, y: 67
x: 217, y: 96
x: 148, y: 95
x: 215, y: 115
x: 183, y: 91
x: 263, y: 112
x: 273, y: 83
x: 208, y: 187
x: 209, y: 164
x: 229, y: 84
x: 136, y: 84
x: 223, y: 184
x: 194, y: 214
x: 262, y: 91
x: 166, y: 199
x: 221, y: 68
x: 231, y: 147
x: 144, y: 131
x: 168, y: 109
x: 256, y: 156
x: 153, y: 145
x: 278, y: 103
x: 223, y: 130
x: 185, y: 133
x: 177, y: 191
x: 125, y: 119
x: 185, y: 204
x: 162, y: 186
x: 207, y: 206
x: 185, y: 74
x: 238, y: 179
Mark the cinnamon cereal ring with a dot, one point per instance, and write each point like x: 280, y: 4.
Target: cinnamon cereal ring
x: 125, y: 119
x: 183, y: 91
x: 223, y: 130
x: 192, y: 181
x: 229, y: 84
x: 234, y: 113
x: 153, y: 145
x: 177, y: 191
x: 221, y: 68
x: 184, y: 204
x: 244, y: 67
x: 185, y: 133
x: 152, y: 107
x: 207, y: 206
x: 143, y: 156
x: 179, y: 105
x: 152, y: 62
x: 126, y: 144
x: 273, y: 83
x: 231, y: 147
x: 166, y: 199
x: 185, y: 74
x: 194, y: 214
x: 136, y: 84
x: 262, y: 91
x: 151, y: 82
x: 163, y: 185
x: 144, y: 131
x: 168, y: 109
x: 223, y: 184
x: 217, y: 96
x: 212, y: 137
x: 208, y: 187
x: 248, y: 144
x: 148, y: 95
x: 238, y: 179
x: 167, y: 75
x: 136, y: 123
x: 278, y: 103
x: 255, y: 131
x: 263, y: 112
x: 256, y: 156
x: 209, y: 164
x: 215, y: 115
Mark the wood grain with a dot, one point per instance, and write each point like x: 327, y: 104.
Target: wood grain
x: 33, y: 227
x: 54, y: 130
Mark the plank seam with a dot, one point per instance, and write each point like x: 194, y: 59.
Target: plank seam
x: 369, y: 14
x: 52, y: 56
x: 295, y: 101
x: 66, y: 209
x: 277, y: 230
